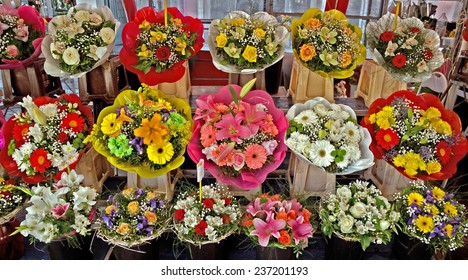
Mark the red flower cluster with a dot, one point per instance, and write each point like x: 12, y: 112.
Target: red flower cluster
x: 208, y: 203
x: 387, y: 36
x: 201, y: 227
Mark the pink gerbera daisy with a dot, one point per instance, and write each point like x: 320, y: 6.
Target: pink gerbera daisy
x: 207, y: 135
x: 255, y: 156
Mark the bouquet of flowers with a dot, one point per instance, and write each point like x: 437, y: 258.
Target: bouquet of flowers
x: 327, y: 44
x: 21, y: 34
x: 11, y: 199
x: 242, y: 43
x: 275, y: 222
x: 209, y: 220
x: 432, y: 216
x: 45, y: 139
x: 62, y: 210
x: 156, y: 48
x: 239, y: 135
x: 408, y: 52
x: 132, y: 217
x: 358, y: 212
x: 144, y: 131
x: 79, y: 41
x: 416, y: 135
x: 328, y: 136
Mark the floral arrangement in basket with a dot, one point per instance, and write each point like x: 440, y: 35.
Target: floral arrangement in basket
x: 416, y: 135
x: 206, y: 218
x: 45, y: 139
x: 243, y: 43
x: 358, y: 212
x: 132, y: 217
x: 239, y: 135
x: 155, y: 46
x: 144, y: 131
x: 79, y: 41
x: 327, y: 135
x: 275, y: 222
x: 11, y: 199
x: 21, y: 34
x: 407, y: 50
x: 62, y: 210
x: 432, y: 216
x: 327, y: 44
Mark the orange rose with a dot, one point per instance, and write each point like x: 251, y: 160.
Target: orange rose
x: 247, y: 220
x: 123, y: 229
x: 151, y: 217
x: 307, y: 52
x: 346, y: 58
x: 282, y: 216
x: 284, y: 238
x: 312, y: 23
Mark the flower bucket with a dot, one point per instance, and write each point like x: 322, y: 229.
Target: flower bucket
x: 59, y: 249
x: 241, y: 79
x: 274, y: 253
x: 209, y: 251
x: 406, y: 248
x: 338, y: 248
x: 11, y: 247
x: 145, y: 251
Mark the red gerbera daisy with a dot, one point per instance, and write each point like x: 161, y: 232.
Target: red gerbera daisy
x: 19, y: 133
x: 443, y: 152
x: 399, y: 60
x: 39, y: 160
x: 387, y: 138
x: 74, y: 122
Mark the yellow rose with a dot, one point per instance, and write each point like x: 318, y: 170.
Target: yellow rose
x: 157, y: 37
x: 123, y: 229
x: 151, y: 217
x: 221, y: 40
x: 259, y: 32
x: 111, y: 208
x: 238, y: 21
x: 433, y: 167
x: 250, y: 54
x: 128, y: 193
x: 133, y: 208
x: 307, y: 52
x: 150, y: 195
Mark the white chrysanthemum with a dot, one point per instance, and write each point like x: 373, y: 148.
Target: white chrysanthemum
x: 49, y: 109
x: 343, y: 164
x: 70, y: 158
x: 306, y: 117
x: 68, y: 148
x: 351, y: 132
x: 17, y: 156
x: 320, y: 153
x: 295, y: 135
x: 56, y: 159
x: 292, y: 143
x: 36, y: 133
x: 353, y: 153
x: 27, y: 148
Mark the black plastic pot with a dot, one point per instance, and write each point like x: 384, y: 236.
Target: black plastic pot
x: 210, y: 251
x: 339, y: 249
x: 406, y: 248
x: 274, y: 253
x: 145, y: 251
x: 60, y: 249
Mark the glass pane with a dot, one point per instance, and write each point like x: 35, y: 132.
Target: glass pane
x: 297, y: 6
x: 361, y: 8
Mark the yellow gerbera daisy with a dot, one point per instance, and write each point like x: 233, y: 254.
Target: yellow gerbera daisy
x: 415, y: 198
x: 152, y: 131
x: 450, y: 209
x: 424, y: 223
x: 438, y: 193
x: 433, y: 209
x: 448, y: 230
x: 160, y: 154
x: 110, y: 125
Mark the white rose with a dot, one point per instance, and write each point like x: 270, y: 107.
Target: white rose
x: 343, y: 192
x: 107, y: 35
x: 320, y: 110
x: 346, y: 224
x: 384, y: 224
x: 358, y: 209
x: 82, y: 16
x: 95, y: 19
x: 71, y: 56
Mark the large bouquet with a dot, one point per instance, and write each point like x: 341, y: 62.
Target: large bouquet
x: 416, y: 135
x: 358, y: 212
x: 79, y: 41
x: 275, y: 222
x: 21, y: 34
x: 11, y: 199
x: 240, y: 43
x: 156, y: 51
x: 328, y: 136
x: 327, y: 44
x: 210, y: 220
x: 63, y: 210
x: 408, y: 52
x: 133, y: 217
x: 239, y: 135
x: 144, y: 131
x: 45, y: 139
x: 432, y: 216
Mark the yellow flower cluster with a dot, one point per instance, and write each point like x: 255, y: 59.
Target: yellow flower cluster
x: 432, y: 117
x: 412, y: 163
x: 384, y: 118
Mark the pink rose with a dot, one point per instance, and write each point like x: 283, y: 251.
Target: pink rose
x: 22, y: 33
x: 20, y: 22
x: 239, y: 161
x: 60, y: 211
x: 12, y: 51
x: 270, y: 146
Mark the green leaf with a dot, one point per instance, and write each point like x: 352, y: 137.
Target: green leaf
x: 410, y: 114
x: 365, y: 242
x: 234, y: 94
x: 247, y: 87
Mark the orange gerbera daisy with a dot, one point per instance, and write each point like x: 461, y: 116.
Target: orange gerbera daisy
x: 39, y: 160
x: 207, y: 135
x: 74, y: 122
x: 255, y: 156
x: 151, y: 130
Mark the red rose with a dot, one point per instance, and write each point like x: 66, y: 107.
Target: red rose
x: 62, y: 137
x: 414, y: 29
x: 387, y: 36
x: 227, y: 201
x: 428, y: 54
x: 226, y: 219
x: 208, y: 203
x: 399, y: 60
x: 201, y: 227
x: 179, y: 215
x: 163, y: 53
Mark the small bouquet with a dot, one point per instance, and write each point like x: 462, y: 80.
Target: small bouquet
x: 45, y: 139
x: 358, y: 212
x: 156, y: 48
x: 416, y: 134
x: 242, y: 43
x: 79, y: 41
x: 63, y: 210
x: 209, y: 220
x: 408, y: 51
x: 239, y: 135
x: 144, y: 131
x: 327, y: 135
x: 275, y: 222
x: 132, y: 217
x: 327, y: 44
x: 21, y: 34
x: 432, y: 216
x: 11, y: 199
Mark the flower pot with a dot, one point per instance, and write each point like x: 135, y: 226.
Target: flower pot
x: 339, y: 249
x: 210, y: 251
x: 406, y: 248
x: 11, y: 247
x: 145, y: 251
x: 273, y: 77
x: 59, y: 249
x: 274, y: 253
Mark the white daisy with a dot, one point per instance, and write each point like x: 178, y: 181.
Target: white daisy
x: 351, y: 132
x: 68, y: 148
x: 320, y: 153
x: 27, y: 148
x: 307, y: 117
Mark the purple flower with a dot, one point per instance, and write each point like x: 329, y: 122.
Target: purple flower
x: 456, y: 220
x: 149, y: 230
x: 108, y: 221
x: 425, y: 153
x: 165, y: 117
x: 137, y: 142
x: 390, y: 155
x: 139, y: 192
x: 153, y: 203
x: 438, y: 231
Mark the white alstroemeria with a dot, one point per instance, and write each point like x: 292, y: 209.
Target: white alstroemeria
x: 431, y: 41
x: 96, y: 52
x: 36, y: 132
x: 391, y: 48
x: 73, y: 29
x: 71, y: 179
x: 422, y: 66
x: 81, y: 224
x: 409, y: 43
x: 211, y: 233
x: 84, y: 199
x: 56, y: 52
x: 107, y: 34
x: 56, y: 159
x: 190, y: 221
x: 214, y: 221
x: 208, y: 152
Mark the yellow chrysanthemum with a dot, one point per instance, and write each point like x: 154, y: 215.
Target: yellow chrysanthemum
x: 110, y: 125
x: 438, y: 193
x: 415, y: 198
x: 238, y: 21
x: 152, y: 131
x: 424, y: 223
x: 166, y: 104
x: 430, y: 114
x: 442, y: 127
x: 450, y: 209
x: 221, y: 40
x: 448, y: 229
x: 399, y: 161
x: 372, y: 118
x: 384, y: 118
x: 160, y: 154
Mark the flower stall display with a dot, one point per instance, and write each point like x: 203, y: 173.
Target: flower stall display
x: 45, y: 139
x: 21, y: 34
x: 155, y: 45
x: 11, y: 199
x: 407, y: 50
x: 144, y: 132
x: 416, y: 135
x: 327, y: 135
x: 239, y: 135
x: 432, y: 216
x: 243, y: 43
x: 327, y: 44
x: 79, y: 41
x: 358, y: 212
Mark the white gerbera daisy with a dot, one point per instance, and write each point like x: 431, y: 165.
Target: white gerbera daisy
x: 320, y: 153
x: 306, y: 117
x: 351, y: 132
x: 343, y: 164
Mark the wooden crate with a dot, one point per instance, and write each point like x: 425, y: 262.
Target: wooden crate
x: 375, y: 82
x: 95, y: 168
x: 386, y: 178
x: 164, y: 184
x: 305, y: 84
x: 242, y: 79
x: 180, y: 89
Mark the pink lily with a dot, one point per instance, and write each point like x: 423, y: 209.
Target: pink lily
x: 225, y: 152
x: 293, y: 204
x: 231, y: 128
x: 205, y: 109
x: 259, y: 209
x: 301, y: 231
x: 60, y: 211
x: 252, y: 117
x: 263, y: 230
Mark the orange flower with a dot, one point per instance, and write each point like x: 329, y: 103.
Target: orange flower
x: 282, y: 216
x: 306, y: 213
x: 152, y: 131
x: 151, y: 217
x: 312, y: 23
x: 292, y: 215
x: 284, y: 238
x: 307, y: 52
x: 247, y: 220
x: 275, y: 197
x: 346, y: 59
